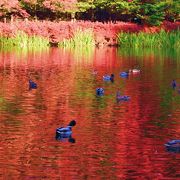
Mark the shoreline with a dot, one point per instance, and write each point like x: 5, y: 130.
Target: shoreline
x: 105, y: 34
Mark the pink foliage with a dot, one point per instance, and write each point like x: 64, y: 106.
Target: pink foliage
x: 9, y: 4
x: 49, y: 4
x: 105, y: 33
x: 13, y: 6
x: 31, y: 1
x: 64, y: 4
x: 69, y: 4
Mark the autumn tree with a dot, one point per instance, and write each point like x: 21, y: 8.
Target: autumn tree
x: 151, y: 12
x: 11, y: 8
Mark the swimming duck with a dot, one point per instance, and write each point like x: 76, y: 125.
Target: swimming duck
x: 174, y: 84
x: 173, y: 145
x: 65, y: 132
x: 121, y: 98
x: 108, y: 77
x: 124, y: 74
x: 99, y: 91
x: 32, y: 85
x: 134, y: 71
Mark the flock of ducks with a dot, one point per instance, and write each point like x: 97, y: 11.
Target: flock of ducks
x: 125, y: 74
x: 65, y: 133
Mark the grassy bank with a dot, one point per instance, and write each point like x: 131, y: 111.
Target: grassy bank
x: 104, y: 34
x: 86, y: 33
x: 22, y: 40
x: 160, y: 39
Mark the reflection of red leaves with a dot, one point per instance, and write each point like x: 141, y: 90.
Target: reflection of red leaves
x: 57, y: 31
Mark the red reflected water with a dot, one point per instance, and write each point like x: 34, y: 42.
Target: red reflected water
x: 122, y: 140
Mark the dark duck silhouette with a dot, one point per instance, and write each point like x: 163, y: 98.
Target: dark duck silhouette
x: 32, y: 85
x: 64, y: 133
x: 112, y: 78
x: 174, y: 84
x: 173, y: 146
x: 119, y: 97
x: 99, y: 91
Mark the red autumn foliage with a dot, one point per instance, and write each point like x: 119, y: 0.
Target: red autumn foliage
x: 104, y: 33
x: 14, y: 7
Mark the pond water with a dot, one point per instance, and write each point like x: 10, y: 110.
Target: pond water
x: 113, y: 140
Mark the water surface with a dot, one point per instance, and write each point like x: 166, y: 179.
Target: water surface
x: 113, y: 140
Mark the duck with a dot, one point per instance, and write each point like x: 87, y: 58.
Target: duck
x: 32, y: 85
x: 134, y: 71
x: 65, y: 132
x: 108, y: 77
x: 173, y: 145
x: 121, y: 98
x: 174, y: 84
x: 124, y: 74
x: 99, y: 91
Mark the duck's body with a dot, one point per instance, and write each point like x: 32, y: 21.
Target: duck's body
x: 121, y: 98
x: 108, y: 77
x: 99, y: 91
x: 173, y: 146
x: 134, y: 71
x: 124, y: 74
x: 32, y: 85
x: 65, y: 132
x: 174, y: 84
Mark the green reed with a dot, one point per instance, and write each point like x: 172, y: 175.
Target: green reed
x: 81, y: 38
x: 22, y: 40
x: 152, y: 40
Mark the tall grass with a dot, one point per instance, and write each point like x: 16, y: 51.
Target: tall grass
x: 81, y: 38
x: 22, y: 40
x: 152, y: 40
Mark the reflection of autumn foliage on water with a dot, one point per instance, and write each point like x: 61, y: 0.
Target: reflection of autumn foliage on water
x: 143, y: 118
x: 118, y: 140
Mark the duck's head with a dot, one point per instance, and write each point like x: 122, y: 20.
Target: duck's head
x: 72, y: 123
x: 112, y: 76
